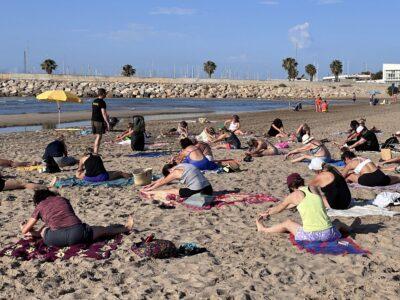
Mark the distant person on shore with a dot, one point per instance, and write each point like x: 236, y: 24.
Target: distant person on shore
x: 276, y: 129
x: 91, y: 169
x: 100, y: 120
x: 6, y: 163
x: 324, y: 106
x: 364, y: 172
x: 354, y: 98
x: 318, y: 102
x: 233, y: 125
x: 193, y: 179
x: 12, y: 184
x: 62, y: 227
x: 58, y: 151
x: 336, y: 193
x: 314, y: 147
x: 229, y: 140
x: 261, y: 147
x: 316, y: 225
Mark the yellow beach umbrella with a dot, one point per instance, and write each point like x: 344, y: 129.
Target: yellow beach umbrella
x: 59, y: 96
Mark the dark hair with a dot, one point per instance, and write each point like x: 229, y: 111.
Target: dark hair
x: 41, y: 195
x: 278, y: 123
x: 183, y: 124
x: 89, y: 151
x: 235, y: 118
x: 305, y: 129
x: 348, y: 154
x: 295, y: 184
x: 354, y: 124
x: 166, y: 169
x: 211, y: 130
x: 186, y: 142
x: 101, y: 92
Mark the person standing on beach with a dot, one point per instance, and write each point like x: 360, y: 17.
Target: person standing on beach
x: 354, y: 98
x: 318, y: 102
x: 100, y: 121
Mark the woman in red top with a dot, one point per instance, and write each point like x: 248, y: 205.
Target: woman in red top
x: 61, y: 225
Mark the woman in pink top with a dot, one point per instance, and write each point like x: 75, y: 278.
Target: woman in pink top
x: 61, y: 225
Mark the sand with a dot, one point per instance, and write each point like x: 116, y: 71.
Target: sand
x: 241, y: 263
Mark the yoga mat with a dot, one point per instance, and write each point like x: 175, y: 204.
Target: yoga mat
x: 331, y: 248
x: 31, y: 249
x: 72, y: 181
x: 149, y: 154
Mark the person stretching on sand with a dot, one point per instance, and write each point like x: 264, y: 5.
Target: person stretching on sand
x: 6, y: 163
x: 364, y: 172
x: 58, y: 151
x: 193, y: 155
x: 229, y: 140
x: 302, y: 130
x: 189, y: 175
x: 12, y: 184
x: 233, y: 125
x: 91, y: 169
x: 207, y: 135
x: 336, y: 193
x: 62, y: 227
x: 100, y: 121
x: 316, y: 225
x: 261, y: 147
x: 276, y: 129
x: 314, y: 147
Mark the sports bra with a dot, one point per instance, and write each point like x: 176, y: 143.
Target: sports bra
x: 233, y: 126
x: 315, y: 150
x: 361, y: 165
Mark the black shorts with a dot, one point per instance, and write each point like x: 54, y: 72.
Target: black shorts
x: 98, y: 127
x: 2, y: 184
x: 137, y: 142
x: 76, y: 234
x: 186, y: 193
x: 377, y: 178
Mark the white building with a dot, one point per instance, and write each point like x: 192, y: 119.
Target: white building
x: 391, y: 73
x: 348, y: 77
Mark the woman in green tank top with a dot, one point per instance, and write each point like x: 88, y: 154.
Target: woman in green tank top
x: 316, y: 224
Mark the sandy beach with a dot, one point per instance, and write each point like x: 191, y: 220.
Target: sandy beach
x: 240, y: 263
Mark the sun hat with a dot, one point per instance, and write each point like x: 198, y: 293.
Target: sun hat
x: 292, y: 178
x: 306, y: 139
x: 316, y: 164
x: 397, y: 133
x: 360, y: 129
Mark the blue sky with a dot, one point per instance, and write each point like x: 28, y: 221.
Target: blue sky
x: 247, y: 38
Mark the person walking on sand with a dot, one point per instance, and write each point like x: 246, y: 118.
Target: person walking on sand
x: 100, y: 121
x: 318, y: 102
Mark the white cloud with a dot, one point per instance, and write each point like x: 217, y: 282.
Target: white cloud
x: 179, y: 11
x: 299, y: 35
x: 269, y: 2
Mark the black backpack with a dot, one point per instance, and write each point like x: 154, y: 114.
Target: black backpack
x: 51, y: 165
x: 138, y: 124
x: 390, y: 143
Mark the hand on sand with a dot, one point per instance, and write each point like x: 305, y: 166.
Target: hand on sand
x: 260, y: 226
x: 264, y: 215
x: 129, y: 224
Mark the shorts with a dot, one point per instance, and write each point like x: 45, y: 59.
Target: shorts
x: 327, y: 235
x: 186, y: 193
x: 137, y: 142
x: 65, y: 161
x: 98, y: 127
x: 377, y: 178
x: 99, y: 178
x: 210, y: 157
x: 2, y: 184
x: 63, y: 237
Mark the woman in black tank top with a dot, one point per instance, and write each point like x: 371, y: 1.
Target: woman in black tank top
x: 94, y: 166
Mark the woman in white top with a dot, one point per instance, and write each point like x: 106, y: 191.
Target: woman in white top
x: 363, y: 171
x: 233, y: 125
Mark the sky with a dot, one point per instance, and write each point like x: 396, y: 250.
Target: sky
x: 245, y: 38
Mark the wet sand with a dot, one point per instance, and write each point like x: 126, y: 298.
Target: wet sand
x: 241, y: 263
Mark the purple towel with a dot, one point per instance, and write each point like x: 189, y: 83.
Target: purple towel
x: 347, y: 246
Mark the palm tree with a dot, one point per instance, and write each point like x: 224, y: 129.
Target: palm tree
x: 336, y: 68
x: 290, y: 65
x: 128, y: 71
x: 209, y: 67
x: 48, y: 65
x: 311, y: 70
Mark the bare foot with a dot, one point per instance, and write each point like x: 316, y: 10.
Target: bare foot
x: 260, y: 226
x: 129, y: 224
x: 53, y: 182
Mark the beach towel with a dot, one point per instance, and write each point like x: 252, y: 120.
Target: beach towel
x: 385, y: 199
x: 85, y: 132
x: 340, y: 247
x: 219, y: 201
x: 31, y: 249
x: 333, y: 162
x: 361, y: 211
x: 73, y: 181
x: 149, y: 154
x: 282, y: 145
x: 377, y: 189
x: 30, y: 168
